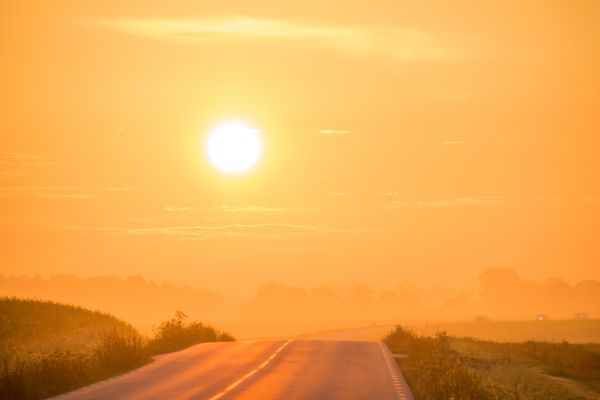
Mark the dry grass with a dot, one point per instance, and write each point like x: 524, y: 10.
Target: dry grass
x: 440, y: 367
x: 435, y: 372
x: 47, y: 348
x: 44, y: 375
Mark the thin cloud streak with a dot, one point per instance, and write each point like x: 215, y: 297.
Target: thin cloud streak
x: 57, y: 192
x: 252, y: 208
x: 398, y: 44
x: 530, y: 200
x: 177, y: 209
x: 23, y: 159
x: 18, y: 156
x: 453, y: 142
x: 334, y: 132
x: 500, y: 201
x: 204, y: 232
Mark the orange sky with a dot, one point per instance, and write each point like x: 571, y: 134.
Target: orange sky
x: 421, y: 142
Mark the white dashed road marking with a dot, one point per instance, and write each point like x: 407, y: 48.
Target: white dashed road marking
x: 249, y: 374
x: 400, y: 386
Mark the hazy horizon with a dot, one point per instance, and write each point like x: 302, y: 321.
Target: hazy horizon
x: 370, y: 161
x: 144, y: 302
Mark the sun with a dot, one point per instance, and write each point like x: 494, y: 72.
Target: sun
x: 234, y: 147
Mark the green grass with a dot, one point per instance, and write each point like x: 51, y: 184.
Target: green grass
x: 440, y: 367
x: 48, y: 348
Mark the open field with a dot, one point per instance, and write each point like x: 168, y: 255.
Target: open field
x: 572, y: 330
x: 535, y: 369
x: 440, y: 366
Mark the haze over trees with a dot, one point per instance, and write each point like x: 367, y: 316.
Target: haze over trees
x: 499, y: 294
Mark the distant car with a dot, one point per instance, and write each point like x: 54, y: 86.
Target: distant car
x: 541, y: 317
x: 581, y: 315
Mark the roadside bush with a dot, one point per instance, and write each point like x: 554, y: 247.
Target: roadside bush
x: 177, y: 333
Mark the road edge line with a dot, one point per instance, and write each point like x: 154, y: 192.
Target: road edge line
x: 399, y: 383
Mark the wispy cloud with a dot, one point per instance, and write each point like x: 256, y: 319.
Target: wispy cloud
x: 8, y: 156
x: 392, y: 42
x: 530, y: 200
x: 424, y: 204
x: 500, y: 201
x: 334, y: 132
x: 19, y: 164
x: 112, y: 189
x: 203, y: 232
x: 57, y: 192
x: 23, y: 159
x: 177, y: 209
x: 453, y: 142
x: 390, y: 194
x: 251, y: 208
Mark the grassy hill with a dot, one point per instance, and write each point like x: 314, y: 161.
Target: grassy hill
x: 31, y: 326
x: 48, y: 348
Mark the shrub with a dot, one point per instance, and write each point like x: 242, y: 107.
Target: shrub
x: 177, y: 333
x: 435, y: 372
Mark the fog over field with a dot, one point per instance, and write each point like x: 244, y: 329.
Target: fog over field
x: 499, y: 294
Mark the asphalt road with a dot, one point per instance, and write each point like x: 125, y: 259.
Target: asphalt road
x: 261, y: 370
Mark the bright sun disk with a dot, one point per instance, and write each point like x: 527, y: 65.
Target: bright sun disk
x: 233, y: 147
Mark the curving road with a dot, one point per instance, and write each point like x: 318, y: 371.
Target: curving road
x: 295, y: 369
